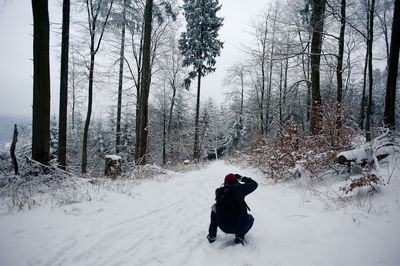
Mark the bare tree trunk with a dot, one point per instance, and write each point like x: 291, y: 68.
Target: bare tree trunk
x: 120, y: 81
x: 316, y: 43
x: 146, y: 81
x: 94, y: 48
x: 12, y: 150
x: 63, y: 112
x: 270, y: 73
x: 138, y: 99
x: 370, y: 74
x: 41, y: 83
x: 196, y: 148
x: 339, y: 68
x: 73, y: 97
x: 362, y: 112
x: 171, y: 109
x: 280, y: 98
x: 164, y: 135
x: 390, y: 100
x: 308, y: 115
x: 89, y: 111
x: 241, y: 99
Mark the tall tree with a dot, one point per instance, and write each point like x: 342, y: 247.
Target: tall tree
x: 200, y: 46
x: 370, y: 74
x: 271, y: 58
x: 339, y: 67
x: 390, y: 100
x: 316, y: 44
x: 62, y: 116
x: 41, y: 83
x: 145, y: 84
x: 94, y: 10
x: 120, y: 79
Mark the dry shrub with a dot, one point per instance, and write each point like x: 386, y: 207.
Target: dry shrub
x: 367, y: 179
x: 293, y: 151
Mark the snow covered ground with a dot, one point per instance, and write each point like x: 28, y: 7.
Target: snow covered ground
x: 164, y: 221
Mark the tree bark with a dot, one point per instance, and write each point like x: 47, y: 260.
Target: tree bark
x: 270, y: 71
x: 89, y: 112
x: 196, y: 152
x: 120, y: 81
x: 390, y: 99
x: 316, y: 44
x: 164, y: 134
x: 146, y: 80
x: 94, y: 47
x: 362, y: 112
x: 280, y: 98
x: 370, y: 74
x: 339, y: 68
x: 63, y: 111
x: 41, y: 83
x: 12, y: 150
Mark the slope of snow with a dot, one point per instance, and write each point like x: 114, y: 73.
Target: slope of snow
x: 165, y: 221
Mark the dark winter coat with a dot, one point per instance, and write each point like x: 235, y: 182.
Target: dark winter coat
x: 240, y: 222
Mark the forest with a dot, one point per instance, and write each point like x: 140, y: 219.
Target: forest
x: 317, y: 79
x: 126, y: 170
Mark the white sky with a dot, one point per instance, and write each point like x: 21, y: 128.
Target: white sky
x: 16, y: 51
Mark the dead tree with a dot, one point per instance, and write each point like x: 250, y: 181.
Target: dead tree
x: 12, y: 150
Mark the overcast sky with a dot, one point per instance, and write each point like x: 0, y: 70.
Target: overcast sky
x: 16, y: 51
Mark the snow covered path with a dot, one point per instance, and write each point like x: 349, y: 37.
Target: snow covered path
x: 165, y: 222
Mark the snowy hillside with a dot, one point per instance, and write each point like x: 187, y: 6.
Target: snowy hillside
x: 164, y: 221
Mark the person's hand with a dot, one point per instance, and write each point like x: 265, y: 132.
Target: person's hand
x: 238, y: 177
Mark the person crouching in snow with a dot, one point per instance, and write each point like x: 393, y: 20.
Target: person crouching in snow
x: 229, y: 213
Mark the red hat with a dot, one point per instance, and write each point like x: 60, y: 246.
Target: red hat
x: 230, y: 179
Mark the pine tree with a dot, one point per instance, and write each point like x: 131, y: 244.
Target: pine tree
x: 199, y: 45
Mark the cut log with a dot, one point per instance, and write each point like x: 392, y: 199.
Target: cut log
x: 113, y: 166
x: 357, y: 156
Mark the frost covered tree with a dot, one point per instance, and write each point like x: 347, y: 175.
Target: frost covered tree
x: 95, y: 11
x: 200, y: 46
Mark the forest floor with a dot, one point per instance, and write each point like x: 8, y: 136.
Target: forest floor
x: 164, y: 221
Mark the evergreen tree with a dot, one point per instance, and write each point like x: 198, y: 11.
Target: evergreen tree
x: 199, y: 45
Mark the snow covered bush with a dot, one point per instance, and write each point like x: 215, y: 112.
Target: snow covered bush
x: 367, y: 179
x: 292, y: 152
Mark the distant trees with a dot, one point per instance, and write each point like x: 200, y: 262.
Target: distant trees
x: 296, y: 65
x: 41, y: 83
x: 200, y: 47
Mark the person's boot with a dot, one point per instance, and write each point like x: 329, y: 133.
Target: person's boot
x: 211, y: 239
x: 239, y: 240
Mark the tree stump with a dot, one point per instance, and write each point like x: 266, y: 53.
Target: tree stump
x: 12, y: 150
x: 113, y: 166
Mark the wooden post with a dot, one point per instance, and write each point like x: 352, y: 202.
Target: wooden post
x: 12, y: 150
